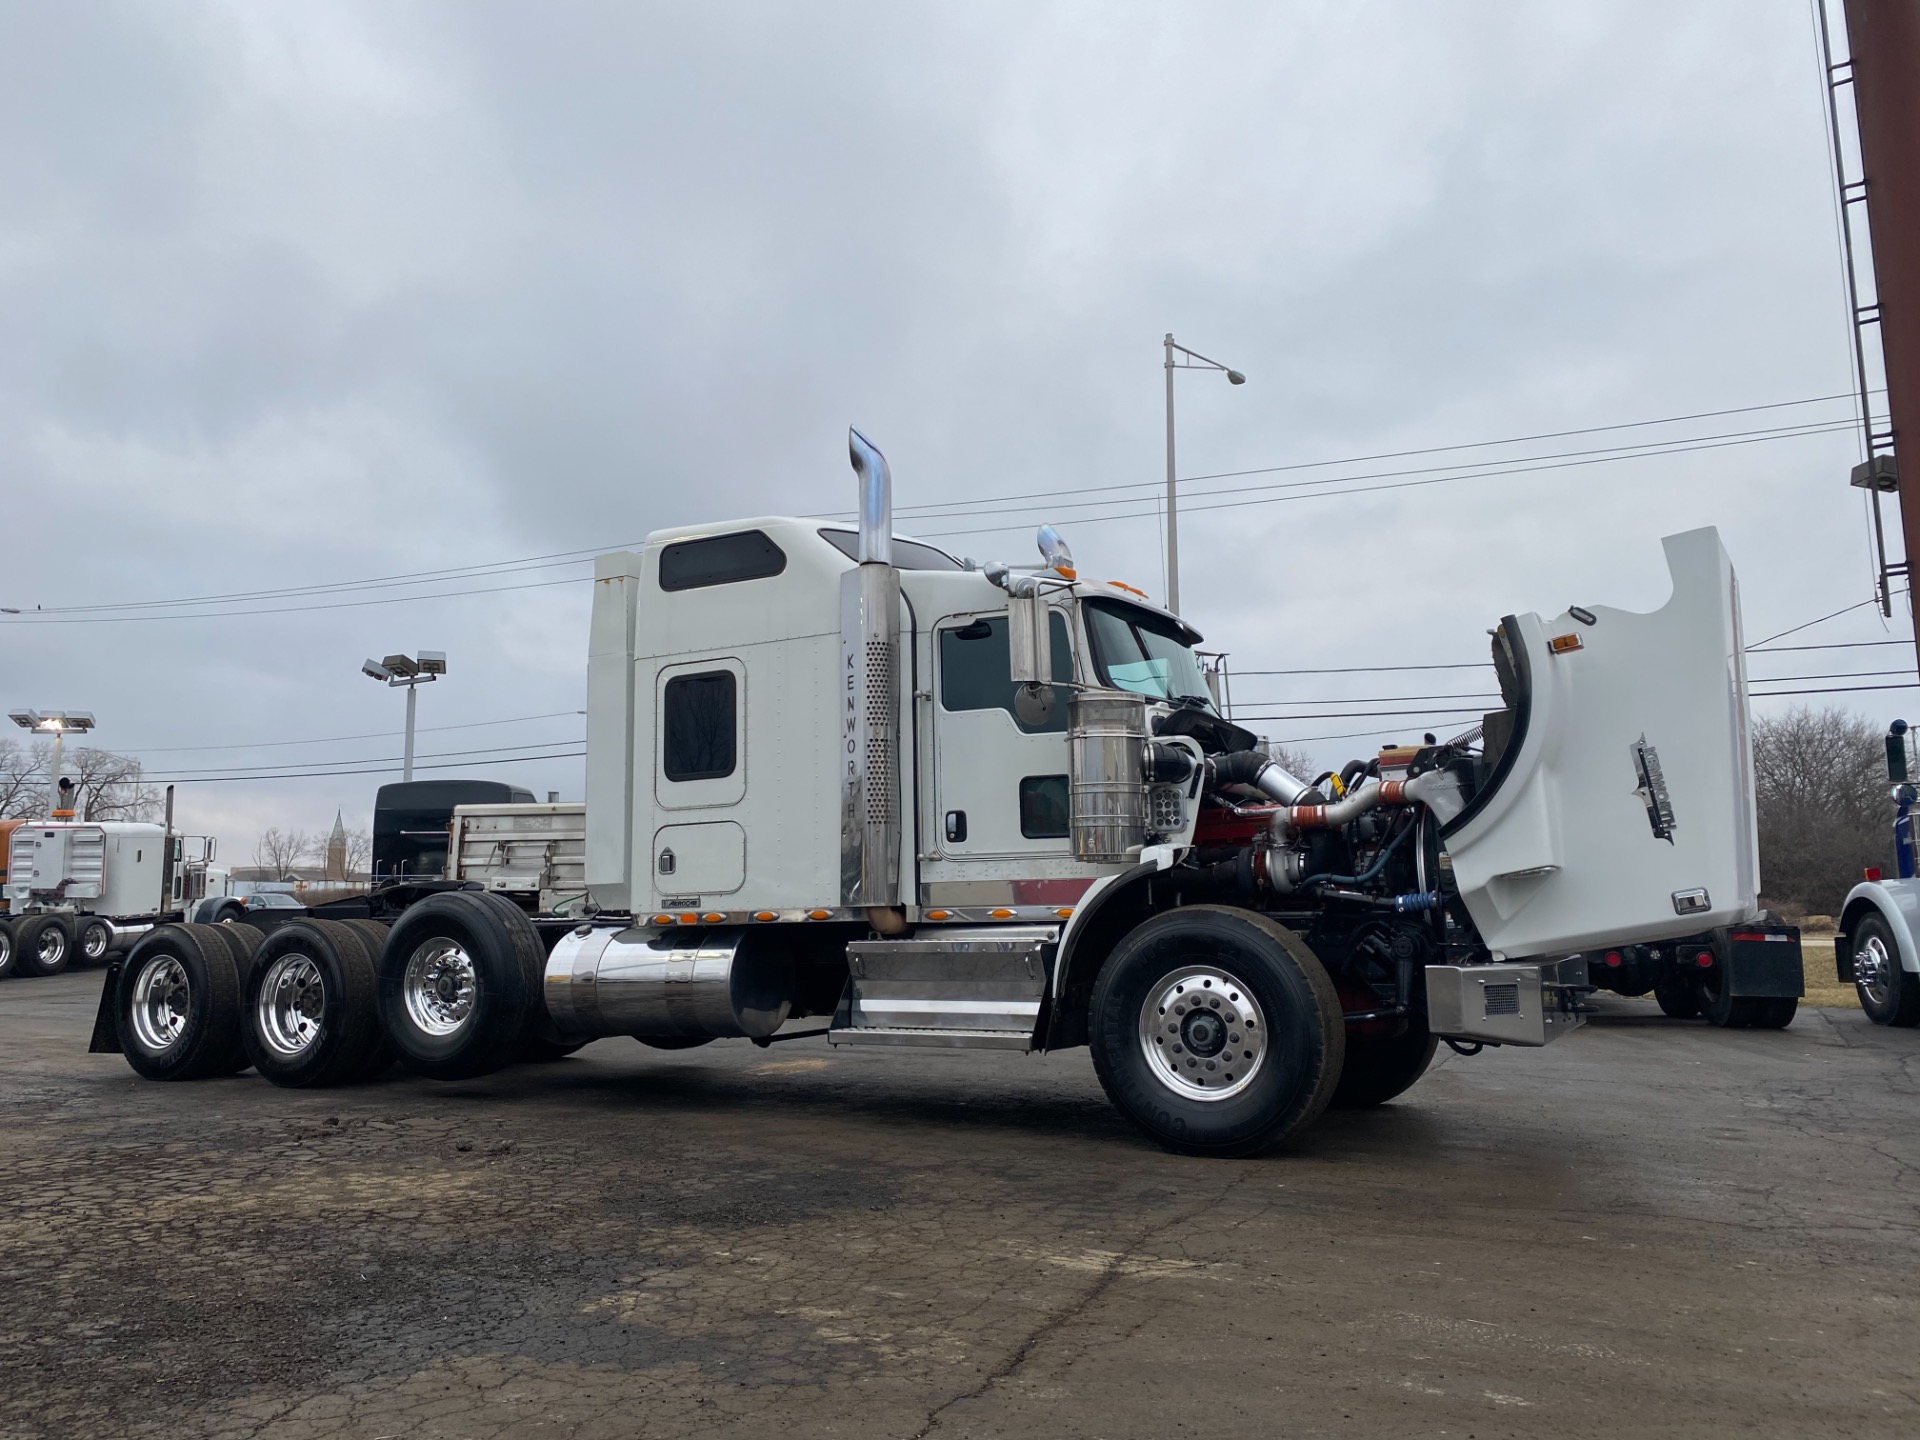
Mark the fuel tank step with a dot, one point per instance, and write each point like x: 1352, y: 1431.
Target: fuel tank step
x: 948, y: 987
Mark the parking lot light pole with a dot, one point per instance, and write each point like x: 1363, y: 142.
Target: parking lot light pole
x: 59, y: 724
x: 1194, y: 361
x: 407, y: 672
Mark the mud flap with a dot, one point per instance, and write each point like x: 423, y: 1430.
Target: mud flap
x: 1764, y: 961
x: 106, y: 1030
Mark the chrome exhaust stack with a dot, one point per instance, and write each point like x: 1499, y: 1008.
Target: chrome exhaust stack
x: 870, y: 751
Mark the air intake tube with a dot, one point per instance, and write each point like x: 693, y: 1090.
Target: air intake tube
x: 1250, y: 767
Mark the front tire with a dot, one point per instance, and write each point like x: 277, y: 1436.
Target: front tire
x: 1729, y: 1012
x: 1889, y: 994
x: 1216, y: 1031
x: 1376, y: 1070
x: 460, y: 984
x: 45, y: 944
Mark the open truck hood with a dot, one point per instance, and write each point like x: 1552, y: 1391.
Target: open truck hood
x: 1620, y: 807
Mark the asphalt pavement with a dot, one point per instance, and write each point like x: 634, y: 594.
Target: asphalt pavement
x: 1651, y: 1228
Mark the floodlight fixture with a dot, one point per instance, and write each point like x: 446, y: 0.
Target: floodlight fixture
x: 58, y: 724
x: 374, y: 670
x: 54, y: 722
x: 401, y: 665
x: 433, y: 662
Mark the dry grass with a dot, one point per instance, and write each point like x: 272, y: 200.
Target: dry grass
x: 1823, y: 990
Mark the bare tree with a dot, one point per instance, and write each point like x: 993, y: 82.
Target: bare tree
x: 1821, y: 790
x: 110, y: 786
x: 23, y: 781
x: 359, y: 853
x: 107, y: 786
x: 279, y: 851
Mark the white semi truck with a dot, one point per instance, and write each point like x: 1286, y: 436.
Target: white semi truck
x: 837, y: 773
x: 78, y: 889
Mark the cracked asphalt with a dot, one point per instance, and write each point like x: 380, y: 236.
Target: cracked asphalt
x: 1650, y: 1228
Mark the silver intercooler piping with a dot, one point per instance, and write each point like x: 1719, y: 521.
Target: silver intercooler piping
x: 870, y: 750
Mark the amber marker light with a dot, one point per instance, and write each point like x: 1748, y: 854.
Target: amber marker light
x: 765, y: 915
x: 1001, y: 914
x: 713, y: 917
x: 938, y: 914
x: 819, y: 914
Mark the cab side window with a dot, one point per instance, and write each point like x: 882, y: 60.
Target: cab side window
x: 699, y: 742
x: 974, y: 661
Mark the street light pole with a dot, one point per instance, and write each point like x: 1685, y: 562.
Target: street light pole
x: 408, y: 672
x: 406, y: 764
x: 1194, y: 361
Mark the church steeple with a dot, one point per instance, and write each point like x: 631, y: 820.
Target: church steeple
x: 337, y: 851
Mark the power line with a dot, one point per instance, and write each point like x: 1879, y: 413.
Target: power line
x: 1373, y: 489
x: 1527, y: 439
x: 1843, y: 610
x: 1361, y: 669
x: 491, y: 750
x: 1515, y: 465
x: 990, y: 501
x: 378, y: 770
x: 1833, y: 645
x: 458, y: 572
x: 287, y: 609
x: 1375, y: 699
x: 330, y: 739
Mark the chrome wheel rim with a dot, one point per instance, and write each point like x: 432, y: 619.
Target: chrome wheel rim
x: 440, y: 987
x: 1202, y: 1033
x: 1872, y: 968
x: 51, y: 945
x: 161, y: 998
x: 293, y: 1002
x: 95, y: 940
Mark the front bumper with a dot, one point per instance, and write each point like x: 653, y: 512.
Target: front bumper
x: 1507, y: 1004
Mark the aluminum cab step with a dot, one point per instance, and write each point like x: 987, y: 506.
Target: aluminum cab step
x: 948, y: 988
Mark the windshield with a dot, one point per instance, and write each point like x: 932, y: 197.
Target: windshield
x: 1138, y: 651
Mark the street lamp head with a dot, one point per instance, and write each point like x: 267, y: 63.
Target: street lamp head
x: 402, y: 665
x: 433, y: 662
x: 54, y: 722
x: 1234, y: 377
x: 374, y: 670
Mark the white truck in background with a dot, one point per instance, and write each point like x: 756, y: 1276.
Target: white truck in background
x: 841, y: 774
x: 80, y: 890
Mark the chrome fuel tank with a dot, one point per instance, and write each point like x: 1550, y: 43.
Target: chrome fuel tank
x: 679, y: 983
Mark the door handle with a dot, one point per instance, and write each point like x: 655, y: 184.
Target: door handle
x: 957, y: 826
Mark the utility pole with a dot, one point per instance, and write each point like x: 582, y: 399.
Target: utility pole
x: 1883, y: 39
x: 1194, y: 361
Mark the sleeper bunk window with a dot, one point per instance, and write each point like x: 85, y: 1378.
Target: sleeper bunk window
x: 699, y: 740
x: 720, y: 560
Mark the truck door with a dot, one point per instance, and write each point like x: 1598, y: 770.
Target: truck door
x: 699, y: 850
x: 1000, y: 784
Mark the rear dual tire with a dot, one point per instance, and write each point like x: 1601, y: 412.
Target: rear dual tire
x: 312, y: 1018
x: 1742, y: 1012
x: 460, y: 981
x: 177, y: 1011
x: 44, y: 944
x: 7, y: 952
x: 1217, y: 1031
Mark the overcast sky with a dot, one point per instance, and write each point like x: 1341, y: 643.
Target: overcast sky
x: 309, y: 293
